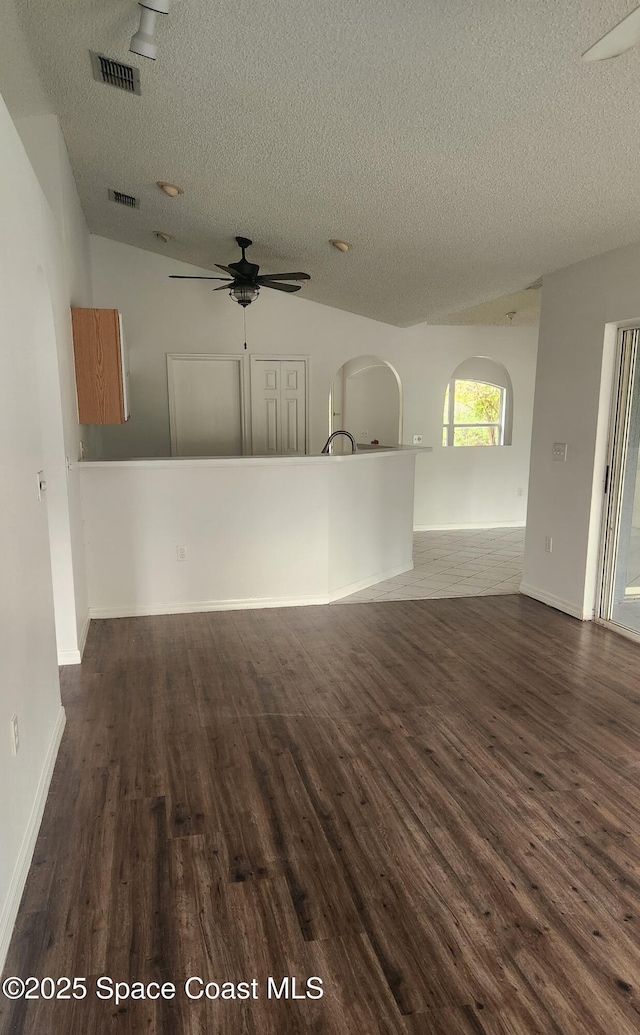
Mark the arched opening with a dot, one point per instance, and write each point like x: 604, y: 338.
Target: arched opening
x: 478, y: 405
x: 366, y: 400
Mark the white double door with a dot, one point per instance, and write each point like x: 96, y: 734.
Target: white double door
x: 227, y: 406
x: 278, y: 407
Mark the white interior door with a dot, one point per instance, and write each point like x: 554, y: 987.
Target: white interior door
x: 206, y: 405
x: 279, y: 407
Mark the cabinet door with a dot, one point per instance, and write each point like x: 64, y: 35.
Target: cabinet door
x: 98, y: 355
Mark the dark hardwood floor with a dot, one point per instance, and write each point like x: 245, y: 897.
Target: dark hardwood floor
x: 433, y: 806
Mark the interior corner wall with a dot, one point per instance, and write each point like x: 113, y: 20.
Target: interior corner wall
x: 454, y: 487
x: 68, y: 275
x: 31, y: 256
x: 572, y: 405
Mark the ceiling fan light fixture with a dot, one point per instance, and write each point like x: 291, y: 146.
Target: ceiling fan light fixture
x: 621, y: 38
x: 244, y: 294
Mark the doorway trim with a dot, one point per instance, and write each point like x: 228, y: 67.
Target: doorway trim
x: 626, y: 357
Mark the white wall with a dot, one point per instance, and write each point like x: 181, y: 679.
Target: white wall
x: 258, y: 531
x: 67, y: 281
x: 34, y: 300
x: 572, y: 404
x: 453, y: 486
x: 473, y: 485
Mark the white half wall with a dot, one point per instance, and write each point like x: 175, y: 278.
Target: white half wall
x: 580, y: 307
x: 258, y: 531
x: 454, y: 487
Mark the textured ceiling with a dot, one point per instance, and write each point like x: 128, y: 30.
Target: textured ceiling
x: 524, y: 305
x: 464, y: 149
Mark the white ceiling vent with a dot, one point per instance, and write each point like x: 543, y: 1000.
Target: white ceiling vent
x: 127, y: 200
x: 115, y: 73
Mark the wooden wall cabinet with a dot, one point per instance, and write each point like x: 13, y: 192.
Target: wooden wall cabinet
x: 101, y: 367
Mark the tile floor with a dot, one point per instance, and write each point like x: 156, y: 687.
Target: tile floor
x: 467, y: 563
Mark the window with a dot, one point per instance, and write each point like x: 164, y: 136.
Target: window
x: 474, y: 413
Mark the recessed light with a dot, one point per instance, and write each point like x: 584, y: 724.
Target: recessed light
x: 170, y: 189
x: 165, y: 238
x: 342, y: 246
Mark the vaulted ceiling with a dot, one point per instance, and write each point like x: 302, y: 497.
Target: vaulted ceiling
x: 463, y: 149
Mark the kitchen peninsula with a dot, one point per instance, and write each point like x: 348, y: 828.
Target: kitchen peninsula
x: 172, y: 535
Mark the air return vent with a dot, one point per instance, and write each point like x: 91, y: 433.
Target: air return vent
x: 127, y: 200
x: 115, y: 73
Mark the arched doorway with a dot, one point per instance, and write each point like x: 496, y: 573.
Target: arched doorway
x: 366, y: 400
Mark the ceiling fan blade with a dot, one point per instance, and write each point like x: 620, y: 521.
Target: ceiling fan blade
x: 622, y: 37
x: 282, y: 276
x: 224, y: 287
x: 282, y: 287
x: 232, y: 273
x: 179, y: 276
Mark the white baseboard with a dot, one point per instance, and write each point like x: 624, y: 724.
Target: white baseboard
x: 355, y: 587
x: 473, y: 526
x: 194, y: 606
x: 74, y: 657
x: 23, y: 862
x: 553, y: 601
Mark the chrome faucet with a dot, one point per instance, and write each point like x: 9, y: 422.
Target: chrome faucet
x: 327, y: 445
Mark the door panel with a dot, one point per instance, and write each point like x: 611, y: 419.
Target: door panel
x: 205, y: 402
x: 278, y: 407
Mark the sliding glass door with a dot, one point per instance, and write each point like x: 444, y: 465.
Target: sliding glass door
x: 620, y: 602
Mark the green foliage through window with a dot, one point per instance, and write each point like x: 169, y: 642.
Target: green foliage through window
x: 476, y: 416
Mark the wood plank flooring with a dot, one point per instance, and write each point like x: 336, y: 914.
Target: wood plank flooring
x: 431, y: 805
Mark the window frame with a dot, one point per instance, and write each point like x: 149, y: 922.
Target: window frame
x: 450, y: 426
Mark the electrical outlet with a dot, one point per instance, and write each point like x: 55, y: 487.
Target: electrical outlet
x: 520, y: 491
x: 548, y: 544
x: 15, y: 735
x: 181, y: 552
x: 364, y: 435
x: 417, y: 440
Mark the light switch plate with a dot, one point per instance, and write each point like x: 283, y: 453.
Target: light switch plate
x: 560, y: 451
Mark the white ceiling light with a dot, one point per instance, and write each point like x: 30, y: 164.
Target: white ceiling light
x: 143, y: 41
x: 170, y: 189
x: 622, y: 37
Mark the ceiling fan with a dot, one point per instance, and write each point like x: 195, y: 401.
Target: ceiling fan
x: 245, y: 283
x: 620, y: 38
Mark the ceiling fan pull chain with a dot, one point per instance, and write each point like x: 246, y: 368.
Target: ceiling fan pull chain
x: 244, y: 323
